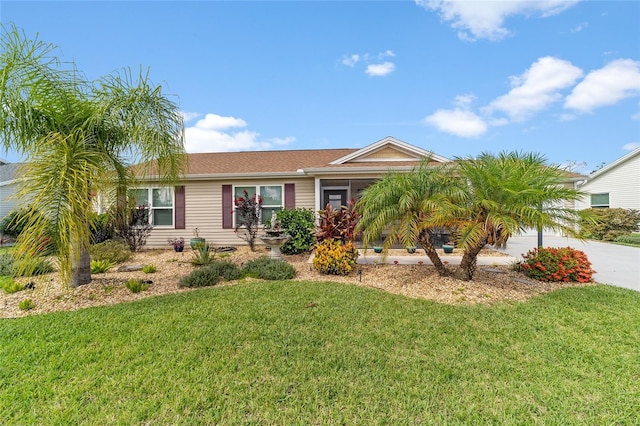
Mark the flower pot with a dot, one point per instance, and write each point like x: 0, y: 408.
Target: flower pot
x: 178, y: 249
x: 377, y: 249
x: 195, y: 241
x: 447, y: 248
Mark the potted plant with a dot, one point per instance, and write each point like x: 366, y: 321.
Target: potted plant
x: 411, y: 249
x: 196, y: 239
x: 448, y: 247
x: 178, y: 244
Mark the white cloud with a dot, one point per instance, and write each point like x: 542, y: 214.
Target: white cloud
x: 188, y: 116
x: 485, y: 19
x: 372, y: 69
x: 617, y: 80
x: 537, y: 88
x: 208, y: 135
x: 218, y: 122
x: 351, y: 60
x: 579, y: 27
x: 459, y: 122
x: 631, y: 146
x: 379, y: 70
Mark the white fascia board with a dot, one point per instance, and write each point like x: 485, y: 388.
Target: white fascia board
x: 230, y: 176
x: 356, y: 170
x: 614, y: 163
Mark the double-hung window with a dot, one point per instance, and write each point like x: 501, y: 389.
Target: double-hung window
x: 271, y: 195
x: 600, y: 201
x: 158, y: 201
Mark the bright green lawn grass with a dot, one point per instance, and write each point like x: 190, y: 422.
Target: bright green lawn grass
x: 256, y: 354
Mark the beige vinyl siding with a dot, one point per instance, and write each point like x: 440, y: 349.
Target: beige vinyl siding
x: 387, y: 152
x: 621, y: 182
x: 203, y: 204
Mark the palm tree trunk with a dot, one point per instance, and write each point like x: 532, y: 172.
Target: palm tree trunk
x: 80, y: 268
x: 469, y: 261
x: 427, y: 245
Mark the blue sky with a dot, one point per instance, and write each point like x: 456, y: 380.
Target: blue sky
x: 458, y: 78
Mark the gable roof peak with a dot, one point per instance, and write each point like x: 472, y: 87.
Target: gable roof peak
x: 410, y: 152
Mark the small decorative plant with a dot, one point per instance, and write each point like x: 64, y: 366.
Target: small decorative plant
x: 100, y: 266
x: 136, y: 286
x: 197, y: 239
x: 26, y: 305
x: 178, y: 244
x: 149, y: 269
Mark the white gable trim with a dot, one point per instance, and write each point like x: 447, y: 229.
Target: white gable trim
x: 402, y: 146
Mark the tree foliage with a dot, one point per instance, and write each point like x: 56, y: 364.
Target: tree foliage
x: 410, y: 207
x: 78, y: 138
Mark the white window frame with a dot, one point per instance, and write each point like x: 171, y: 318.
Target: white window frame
x: 151, y: 208
x: 257, y: 189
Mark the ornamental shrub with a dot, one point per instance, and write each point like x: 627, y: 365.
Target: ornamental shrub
x: 203, y: 277
x: 557, y: 264
x: 629, y: 239
x: 27, y: 267
x: 338, y: 224
x: 335, y: 258
x: 211, y: 274
x: 610, y: 223
x: 112, y: 251
x: 269, y: 269
x: 299, y: 224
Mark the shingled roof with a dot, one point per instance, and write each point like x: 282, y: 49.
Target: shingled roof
x: 251, y: 162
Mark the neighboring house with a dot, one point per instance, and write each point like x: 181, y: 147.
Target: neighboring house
x: 616, y: 185
x: 285, y: 179
x: 8, y: 186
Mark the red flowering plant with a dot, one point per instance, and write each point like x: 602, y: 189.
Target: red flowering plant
x: 557, y: 264
x: 248, y: 211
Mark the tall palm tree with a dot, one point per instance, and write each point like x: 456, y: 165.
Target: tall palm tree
x: 507, y: 193
x: 410, y: 207
x: 78, y: 137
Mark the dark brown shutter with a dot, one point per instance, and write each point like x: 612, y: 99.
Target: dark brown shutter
x: 289, y: 195
x: 227, y: 207
x: 179, y: 214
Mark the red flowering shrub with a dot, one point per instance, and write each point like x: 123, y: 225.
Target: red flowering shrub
x: 557, y: 264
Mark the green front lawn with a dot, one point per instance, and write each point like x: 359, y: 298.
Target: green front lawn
x: 326, y: 353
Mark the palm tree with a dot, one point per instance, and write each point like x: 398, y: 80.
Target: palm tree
x: 78, y: 137
x: 507, y: 193
x: 410, y: 207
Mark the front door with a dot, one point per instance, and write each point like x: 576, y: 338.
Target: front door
x: 336, y: 197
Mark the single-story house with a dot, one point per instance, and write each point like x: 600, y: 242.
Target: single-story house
x: 290, y: 178
x: 616, y: 185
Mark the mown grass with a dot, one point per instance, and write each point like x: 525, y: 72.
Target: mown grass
x: 326, y: 353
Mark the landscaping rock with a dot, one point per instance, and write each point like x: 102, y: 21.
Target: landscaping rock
x: 130, y: 268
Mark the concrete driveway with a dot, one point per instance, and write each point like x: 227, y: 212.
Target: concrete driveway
x: 614, y: 264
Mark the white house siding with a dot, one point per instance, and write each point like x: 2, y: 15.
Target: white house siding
x: 203, y: 210
x: 622, y: 182
x: 6, y: 203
